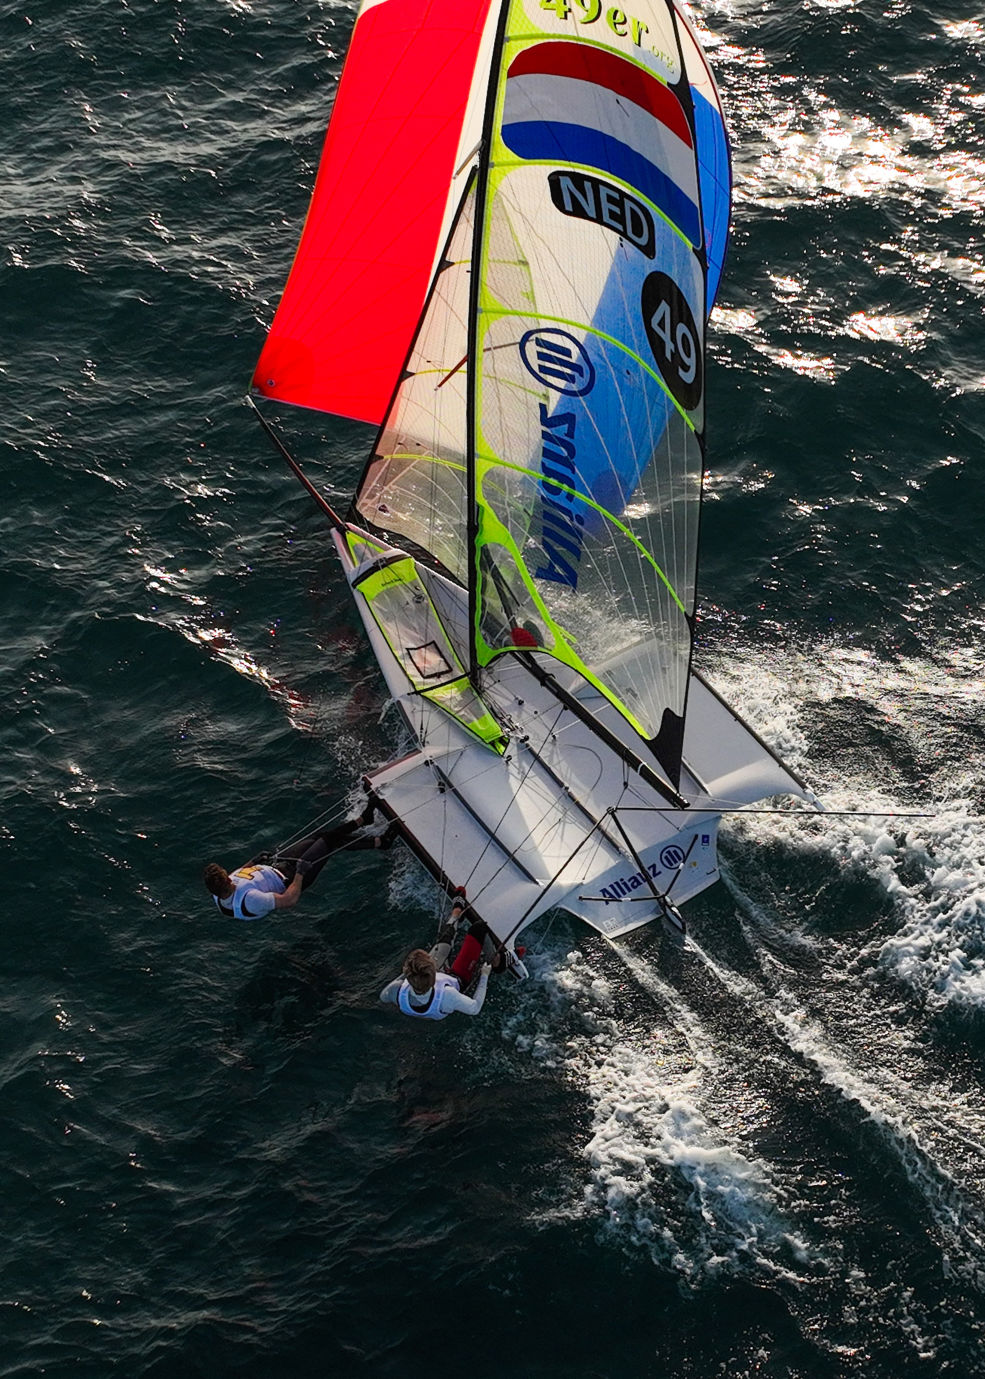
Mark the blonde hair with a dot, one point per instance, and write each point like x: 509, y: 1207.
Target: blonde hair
x: 420, y: 971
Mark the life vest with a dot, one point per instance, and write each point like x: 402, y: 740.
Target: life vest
x: 250, y: 878
x: 432, y: 1011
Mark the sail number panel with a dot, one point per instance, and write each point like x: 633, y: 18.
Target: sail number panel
x: 674, y: 338
x: 584, y: 197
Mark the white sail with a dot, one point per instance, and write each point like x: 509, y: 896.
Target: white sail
x: 415, y: 486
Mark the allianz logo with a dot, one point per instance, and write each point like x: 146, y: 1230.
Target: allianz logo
x: 672, y: 857
x: 625, y: 885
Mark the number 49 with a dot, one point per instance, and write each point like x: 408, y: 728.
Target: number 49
x: 676, y: 341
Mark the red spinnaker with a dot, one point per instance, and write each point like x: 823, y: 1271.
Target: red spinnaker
x: 361, y: 274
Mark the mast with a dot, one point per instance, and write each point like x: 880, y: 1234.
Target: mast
x: 482, y: 181
x: 675, y: 753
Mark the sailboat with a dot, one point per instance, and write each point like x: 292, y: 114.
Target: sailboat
x: 515, y: 239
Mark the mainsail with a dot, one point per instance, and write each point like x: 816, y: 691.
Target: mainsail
x: 588, y: 395
x: 523, y: 543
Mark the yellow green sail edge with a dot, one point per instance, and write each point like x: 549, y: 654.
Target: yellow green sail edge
x: 407, y: 619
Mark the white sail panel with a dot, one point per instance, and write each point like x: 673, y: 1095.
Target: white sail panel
x: 415, y: 484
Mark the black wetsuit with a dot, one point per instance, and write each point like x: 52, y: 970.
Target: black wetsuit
x: 315, y: 850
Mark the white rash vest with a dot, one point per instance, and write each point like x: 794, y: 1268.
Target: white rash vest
x: 256, y: 889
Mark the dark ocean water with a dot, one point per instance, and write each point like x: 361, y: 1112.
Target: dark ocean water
x: 762, y: 1155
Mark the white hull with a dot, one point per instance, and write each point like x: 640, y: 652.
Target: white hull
x: 562, y: 818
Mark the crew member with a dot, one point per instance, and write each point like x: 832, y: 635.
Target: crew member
x: 276, y: 882
x: 426, y: 991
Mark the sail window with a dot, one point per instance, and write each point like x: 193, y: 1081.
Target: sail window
x: 403, y: 610
x: 428, y: 661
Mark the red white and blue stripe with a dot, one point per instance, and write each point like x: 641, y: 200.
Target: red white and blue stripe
x: 570, y: 102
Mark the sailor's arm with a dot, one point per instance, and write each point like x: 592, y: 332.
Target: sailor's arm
x: 466, y: 1005
x: 391, y: 991
x: 291, y: 896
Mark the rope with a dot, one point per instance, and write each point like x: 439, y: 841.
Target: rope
x: 320, y: 821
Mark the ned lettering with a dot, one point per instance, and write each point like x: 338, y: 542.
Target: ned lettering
x: 590, y: 198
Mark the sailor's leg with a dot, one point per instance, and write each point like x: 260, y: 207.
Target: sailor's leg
x: 369, y: 813
x: 288, y: 858
x: 478, y: 946
x: 492, y: 950
x: 447, y: 934
x: 439, y: 953
x: 315, y: 850
x: 469, y: 956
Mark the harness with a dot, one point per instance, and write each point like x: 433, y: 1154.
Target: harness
x: 229, y: 910
x: 432, y: 1011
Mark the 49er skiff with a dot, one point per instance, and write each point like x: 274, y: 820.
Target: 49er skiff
x: 515, y: 239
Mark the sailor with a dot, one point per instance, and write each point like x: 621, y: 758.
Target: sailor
x: 426, y: 991
x: 276, y: 882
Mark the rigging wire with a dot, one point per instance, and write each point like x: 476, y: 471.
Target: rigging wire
x: 494, y: 831
x: 328, y: 816
x: 544, y: 889
x: 597, y: 831
x: 550, y: 804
